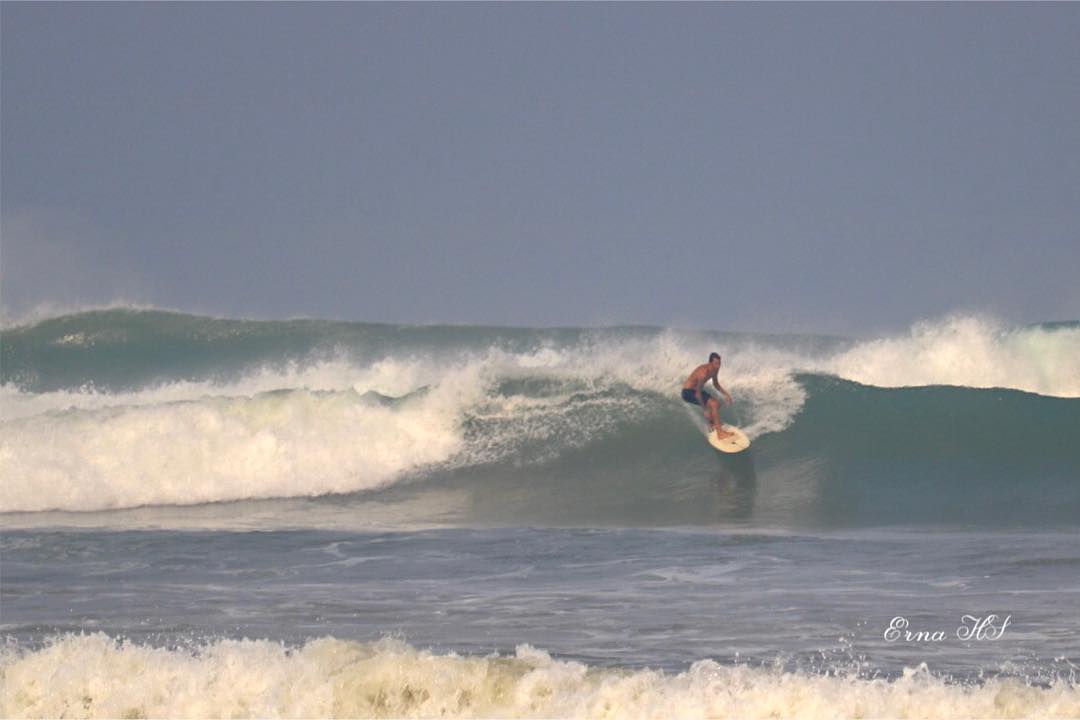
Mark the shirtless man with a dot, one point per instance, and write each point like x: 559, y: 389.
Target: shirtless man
x: 694, y: 393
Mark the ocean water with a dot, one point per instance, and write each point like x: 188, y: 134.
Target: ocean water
x: 224, y: 518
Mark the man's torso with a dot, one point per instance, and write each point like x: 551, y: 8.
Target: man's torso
x: 697, y: 378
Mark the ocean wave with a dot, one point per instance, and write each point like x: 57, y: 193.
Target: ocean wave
x: 95, y: 676
x: 126, y: 350
x: 43, y: 312
x: 330, y: 417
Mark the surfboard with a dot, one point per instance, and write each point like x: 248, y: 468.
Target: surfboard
x: 734, y: 443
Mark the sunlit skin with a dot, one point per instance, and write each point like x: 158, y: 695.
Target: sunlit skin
x: 701, y: 375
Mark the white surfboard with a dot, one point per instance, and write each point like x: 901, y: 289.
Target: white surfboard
x: 736, y: 442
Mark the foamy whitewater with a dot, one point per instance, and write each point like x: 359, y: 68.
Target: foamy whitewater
x: 226, y: 518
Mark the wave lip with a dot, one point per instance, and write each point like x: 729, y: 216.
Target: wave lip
x: 968, y: 351
x: 95, y: 676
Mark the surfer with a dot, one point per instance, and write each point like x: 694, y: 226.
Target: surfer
x: 694, y: 393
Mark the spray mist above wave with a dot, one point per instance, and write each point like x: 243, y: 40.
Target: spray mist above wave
x: 968, y: 352
x: 91, y: 676
x: 43, y: 312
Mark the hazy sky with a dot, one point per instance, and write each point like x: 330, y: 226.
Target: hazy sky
x: 829, y: 167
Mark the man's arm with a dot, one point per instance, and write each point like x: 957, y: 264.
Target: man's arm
x: 725, y: 393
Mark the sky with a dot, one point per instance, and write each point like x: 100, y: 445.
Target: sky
x: 843, y: 168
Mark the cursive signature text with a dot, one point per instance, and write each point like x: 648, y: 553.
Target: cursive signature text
x: 972, y: 627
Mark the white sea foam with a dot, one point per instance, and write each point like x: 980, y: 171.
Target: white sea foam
x: 95, y: 676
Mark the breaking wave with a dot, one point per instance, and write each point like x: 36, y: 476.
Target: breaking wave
x: 123, y: 408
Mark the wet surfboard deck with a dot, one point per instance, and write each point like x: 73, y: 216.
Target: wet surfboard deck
x: 736, y: 442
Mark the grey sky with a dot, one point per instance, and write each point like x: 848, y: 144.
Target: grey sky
x: 829, y: 167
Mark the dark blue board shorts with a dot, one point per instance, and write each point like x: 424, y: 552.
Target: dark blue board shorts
x: 691, y: 397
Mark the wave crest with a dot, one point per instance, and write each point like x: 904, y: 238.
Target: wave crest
x: 968, y: 352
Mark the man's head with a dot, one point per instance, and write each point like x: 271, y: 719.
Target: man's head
x: 714, y: 360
